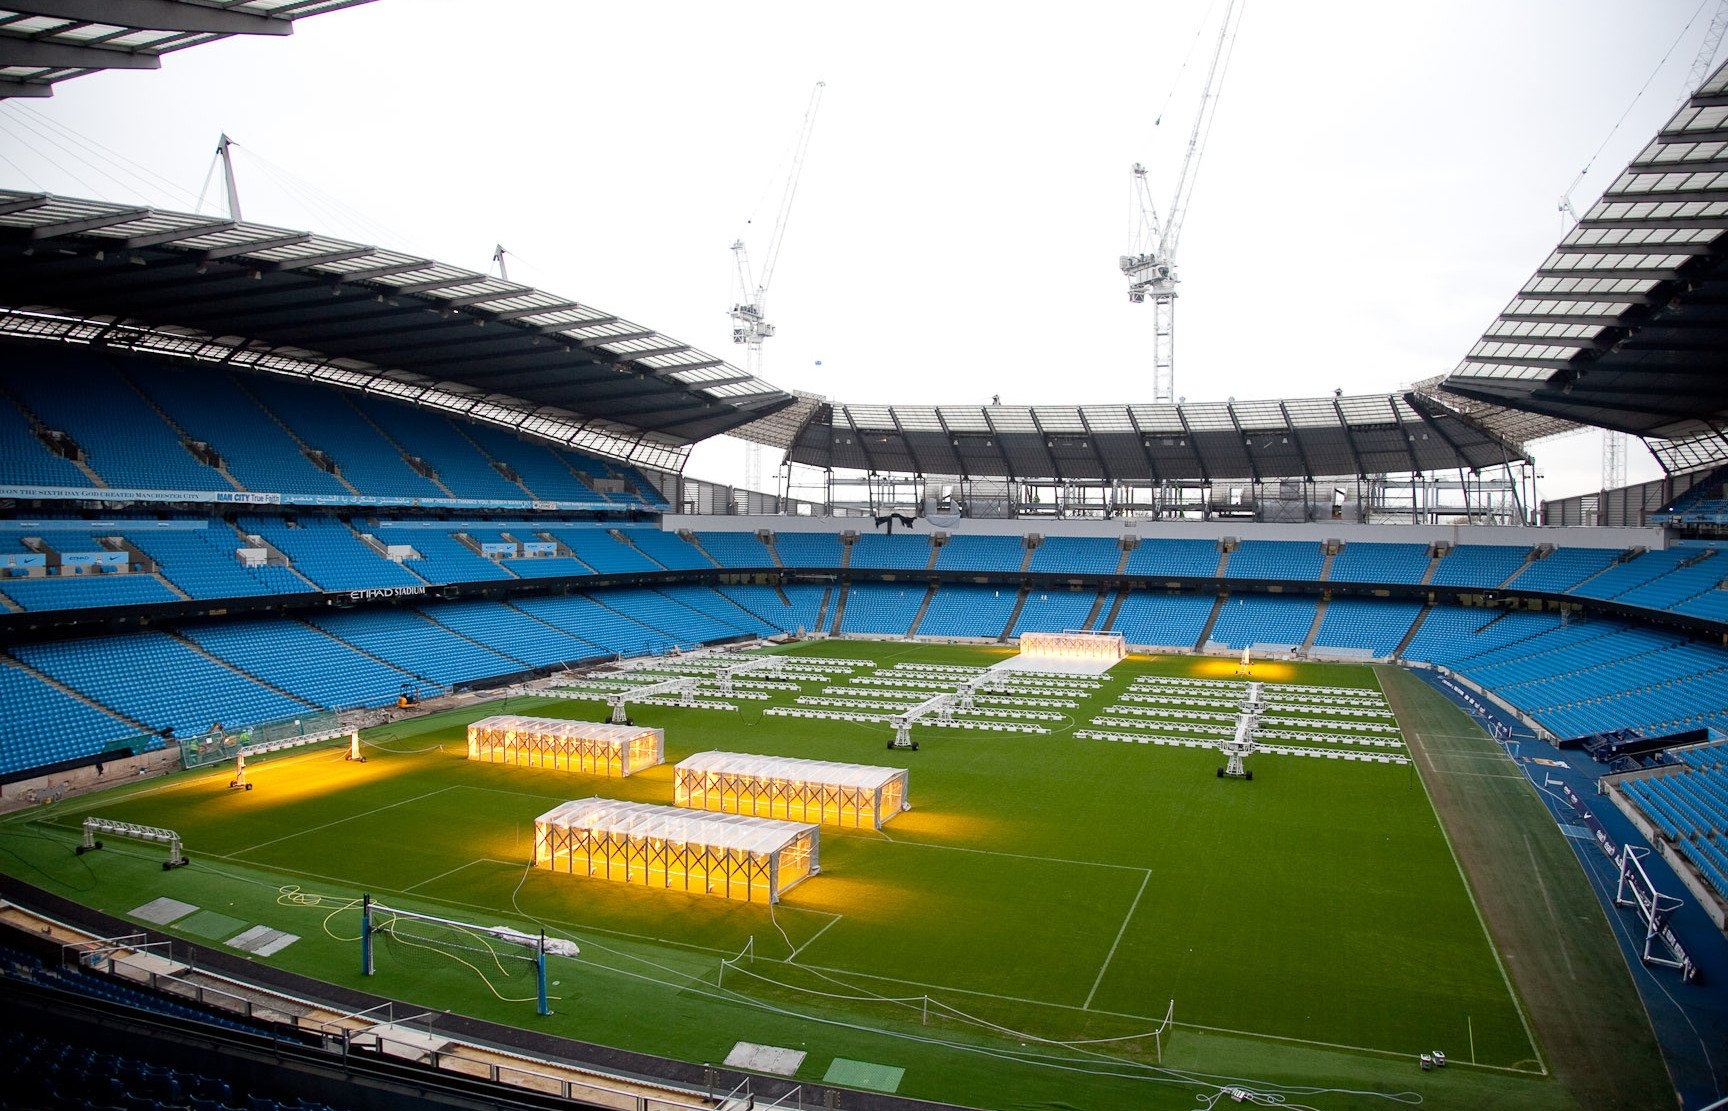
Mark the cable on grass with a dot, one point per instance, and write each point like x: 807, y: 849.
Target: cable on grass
x: 432, y: 945
x: 292, y: 895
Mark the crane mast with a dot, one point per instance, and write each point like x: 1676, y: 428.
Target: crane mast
x: 750, y: 324
x: 1150, y: 265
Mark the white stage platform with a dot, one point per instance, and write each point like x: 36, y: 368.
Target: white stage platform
x: 1056, y: 666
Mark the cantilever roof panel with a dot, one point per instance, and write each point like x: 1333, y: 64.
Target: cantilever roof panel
x: 1376, y: 434
x: 1624, y: 323
x: 324, y: 300
x: 43, y: 44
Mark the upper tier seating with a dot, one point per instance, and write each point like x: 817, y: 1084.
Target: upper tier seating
x: 808, y: 549
x: 1195, y: 559
x: 325, y: 419
x: 28, y: 460
x: 668, y: 549
x: 125, y: 441
x: 1632, y: 572
x: 1375, y: 562
x: 542, y: 470
x: 1082, y: 555
x: 736, y: 549
x: 210, y: 406
x: 1484, y: 565
x: 900, y: 552
x: 460, y: 467
x: 1695, y: 571
x: 1285, y: 560
x: 978, y: 553
x: 1563, y: 569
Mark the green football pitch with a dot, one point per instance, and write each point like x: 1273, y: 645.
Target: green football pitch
x: 1016, y: 939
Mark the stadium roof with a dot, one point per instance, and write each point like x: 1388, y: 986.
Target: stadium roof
x: 46, y: 41
x: 1203, y: 441
x: 346, y: 311
x: 1625, y: 323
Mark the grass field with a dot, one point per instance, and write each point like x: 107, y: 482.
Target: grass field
x: 1011, y: 941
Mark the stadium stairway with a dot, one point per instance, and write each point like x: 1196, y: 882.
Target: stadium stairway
x: 377, y: 659
x: 924, y: 607
x: 312, y: 454
x: 1325, y: 574
x: 1014, y: 614
x: 418, y: 465
x: 1415, y: 627
x: 1109, y: 621
x: 1433, y: 566
x: 194, y: 646
x: 217, y: 464
x: 821, y: 610
x: 1319, y: 616
x: 839, y: 611
x: 1211, y: 620
x: 1097, y: 605
x: 740, y: 606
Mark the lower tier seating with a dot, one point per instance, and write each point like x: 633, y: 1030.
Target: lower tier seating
x: 77, y: 698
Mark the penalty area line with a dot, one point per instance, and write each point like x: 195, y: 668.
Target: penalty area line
x: 1111, y: 955
x: 812, y: 938
x: 339, y: 821
x: 460, y: 867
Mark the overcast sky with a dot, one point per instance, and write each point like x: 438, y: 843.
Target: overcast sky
x: 1380, y: 177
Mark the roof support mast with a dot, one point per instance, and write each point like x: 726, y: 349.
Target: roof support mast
x: 1150, y: 265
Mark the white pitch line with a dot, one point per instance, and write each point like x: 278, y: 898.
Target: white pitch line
x: 1018, y: 856
x: 1111, y: 955
x: 363, y: 814
x: 460, y: 867
x: 794, y: 955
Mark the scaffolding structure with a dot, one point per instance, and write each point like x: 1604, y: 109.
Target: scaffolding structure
x: 735, y: 856
x: 595, y: 748
x: 821, y: 791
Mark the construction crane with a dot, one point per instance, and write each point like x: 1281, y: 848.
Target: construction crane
x: 749, y: 307
x: 1150, y: 265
